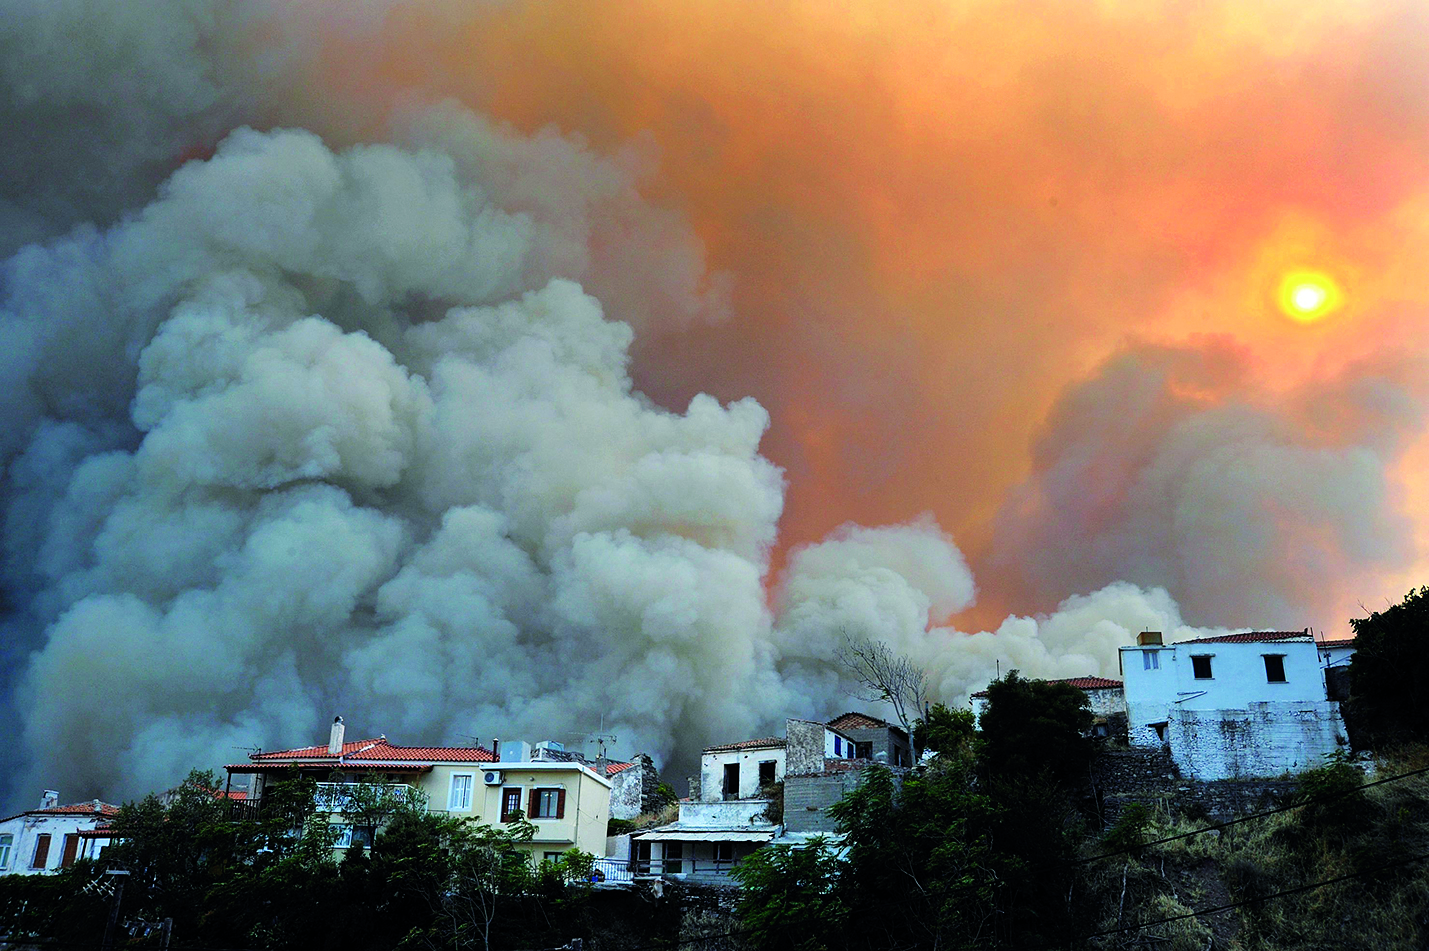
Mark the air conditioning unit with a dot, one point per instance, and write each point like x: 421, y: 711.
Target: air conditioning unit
x: 491, y: 777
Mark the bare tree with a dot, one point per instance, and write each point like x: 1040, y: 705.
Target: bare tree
x: 887, y: 676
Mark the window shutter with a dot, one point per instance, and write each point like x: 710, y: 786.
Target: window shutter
x: 561, y: 804
x: 42, y: 850
x: 71, y: 847
x: 535, y: 799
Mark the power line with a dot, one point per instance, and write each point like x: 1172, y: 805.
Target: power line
x: 1254, y: 815
x: 1254, y: 901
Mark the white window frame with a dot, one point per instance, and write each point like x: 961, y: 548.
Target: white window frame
x: 7, y: 849
x: 344, y: 835
x: 1150, y: 660
x: 452, y: 805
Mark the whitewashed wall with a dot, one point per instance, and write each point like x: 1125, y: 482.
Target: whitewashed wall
x: 1261, y: 740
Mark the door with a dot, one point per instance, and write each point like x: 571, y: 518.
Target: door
x: 731, y: 781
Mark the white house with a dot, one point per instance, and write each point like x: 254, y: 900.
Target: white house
x: 727, y: 819
x: 1233, y: 706
x: 53, y: 836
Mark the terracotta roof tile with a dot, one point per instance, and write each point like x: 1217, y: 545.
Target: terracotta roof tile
x: 766, y: 743
x: 612, y: 768
x: 1081, y: 683
x: 857, y: 721
x: 91, y: 808
x: 1342, y: 642
x: 1249, y: 637
x: 378, y: 750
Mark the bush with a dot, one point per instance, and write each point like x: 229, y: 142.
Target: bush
x: 1129, y: 833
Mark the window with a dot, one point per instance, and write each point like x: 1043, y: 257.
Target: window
x: 674, y: 858
x: 766, y: 774
x: 1160, y: 729
x: 1150, y: 660
x: 1201, y: 666
x: 731, y: 781
x: 551, y: 857
x: 723, y: 854
x: 6, y: 842
x: 863, y: 750
x: 42, y: 850
x: 71, y: 848
x: 547, y: 804
x: 511, y: 804
x: 460, y: 798
x: 838, y: 746
x: 1274, y: 668
x: 640, y: 862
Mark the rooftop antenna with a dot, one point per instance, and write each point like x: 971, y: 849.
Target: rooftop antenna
x: 600, y: 737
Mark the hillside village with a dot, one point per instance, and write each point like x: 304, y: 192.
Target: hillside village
x: 1233, y: 708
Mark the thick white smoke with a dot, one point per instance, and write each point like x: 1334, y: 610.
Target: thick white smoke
x: 380, y: 458
x: 317, y: 425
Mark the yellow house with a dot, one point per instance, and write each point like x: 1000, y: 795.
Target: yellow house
x: 568, y: 803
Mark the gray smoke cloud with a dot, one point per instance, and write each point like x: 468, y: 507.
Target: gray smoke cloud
x: 311, y: 424
x: 1175, y: 466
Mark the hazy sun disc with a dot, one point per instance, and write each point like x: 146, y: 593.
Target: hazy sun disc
x: 1307, y: 296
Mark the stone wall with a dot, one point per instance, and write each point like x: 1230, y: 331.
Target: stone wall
x: 1149, y: 777
x: 804, y: 747
x: 807, y: 799
x: 625, y: 798
x: 1263, y: 740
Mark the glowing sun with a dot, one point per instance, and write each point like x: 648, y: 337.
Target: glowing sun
x: 1307, y: 296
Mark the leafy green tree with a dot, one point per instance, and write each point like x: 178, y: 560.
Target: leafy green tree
x: 791, y: 898
x: 1389, y: 673
x: 1035, y: 730
x: 945, y: 731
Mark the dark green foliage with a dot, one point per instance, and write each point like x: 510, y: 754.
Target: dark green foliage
x: 665, y: 794
x: 791, y: 897
x: 945, y: 731
x: 1035, y: 729
x: 774, y: 812
x: 244, y: 876
x: 1129, y: 833
x: 1389, y: 673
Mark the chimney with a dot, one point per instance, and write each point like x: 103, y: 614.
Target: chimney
x: 334, y: 743
x: 50, y: 799
x: 1148, y: 638
x: 496, y: 749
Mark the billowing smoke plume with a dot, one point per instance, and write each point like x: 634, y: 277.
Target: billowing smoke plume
x: 1175, y: 466
x: 320, y: 394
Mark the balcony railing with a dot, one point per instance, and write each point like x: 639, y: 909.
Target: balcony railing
x: 358, y: 797
x: 625, y: 871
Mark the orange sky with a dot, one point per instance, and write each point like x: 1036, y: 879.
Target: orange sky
x: 939, y: 216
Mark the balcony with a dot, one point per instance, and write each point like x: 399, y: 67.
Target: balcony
x: 626, y: 871
x: 368, y: 797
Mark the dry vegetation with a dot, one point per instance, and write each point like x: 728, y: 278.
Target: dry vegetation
x: 1370, y: 839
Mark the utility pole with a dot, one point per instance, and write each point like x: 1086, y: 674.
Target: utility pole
x: 120, y: 876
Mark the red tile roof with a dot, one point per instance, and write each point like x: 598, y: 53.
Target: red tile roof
x: 373, y: 752
x: 1249, y: 637
x: 1081, y: 683
x: 1343, y: 642
x: 92, y: 808
x: 612, y: 768
x: 857, y: 721
x: 766, y: 743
